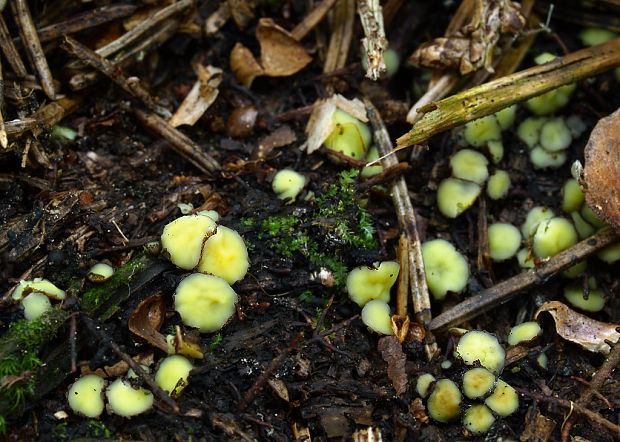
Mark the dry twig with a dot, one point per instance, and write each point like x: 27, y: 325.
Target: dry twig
x: 10, y: 51
x: 341, y: 36
x: 312, y: 19
x: 374, y: 42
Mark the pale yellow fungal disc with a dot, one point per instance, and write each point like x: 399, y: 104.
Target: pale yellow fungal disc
x: 529, y: 130
x: 526, y: 332
x: 574, y: 294
x: 498, y: 185
x: 572, y: 196
x: 127, y: 401
x: 484, y: 129
x: 478, y: 419
x: 85, y: 395
x: 444, y: 402
x: 183, y: 239
x: 38, y: 285
x: 479, y: 346
x: 504, y: 241
x: 364, y: 284
x: 206, y: 302
x: 454, y: 196
x: 376, y: 315
x: 173, y: 373
x: 35, y: 304
x: 555, y: 135
x: 370, y: 171
x: 350, y: 136
x: 477, y: 382
x: 469, y: 165
x: 423, y: 383
x: 287, y: 184
x: 506, y: 116
x: 533, y: 218
x: 100, y: 272
x: 446, y: 269
x: 552, y: 236
x: 504, y: 400
x: 225, y: 255
x: 541, y: 158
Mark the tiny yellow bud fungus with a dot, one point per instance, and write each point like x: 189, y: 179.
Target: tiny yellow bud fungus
x: 572, y: 196
x: 478, y: 419
x: 364, y: 284
x: 477, y: 382
x: 85, y: 395
x: 376, y: 315
x: 584, y: 229
x: 529, y: 130
x: 504, y: 241
x: 525, y: 258
x: 596, y: 36
x: 173, y: 373
x: 506, y: 117
x: 35, y: 304
x: 498, y: 185
x: 224, y: 254
x: 591, y: 218
x: 454, y: 196
x: 555, y: 135
x: 504, y: 400
x: 542, y: 158
x: 469, y: 165
x: 480, y: 346
x: 287, y: 184
x: 206, y: 302
x: 446, y: 269
x: 575, y: 295
x: 444, y: 402
x: 423, y: 384
x: 127, y: 401
x: 524, y: 333
x: 495, y: 149
x: 370, y: 171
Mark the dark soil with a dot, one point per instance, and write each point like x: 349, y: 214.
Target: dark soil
x: 121, y: 184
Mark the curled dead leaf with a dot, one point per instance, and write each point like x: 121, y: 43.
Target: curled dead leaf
x: 392, y: 353
x: 601, y: 173
x: 146, y: 320
x: 580, y: 329
x: 281, y: 55
x: 244, y: 65
x: 200, y: 97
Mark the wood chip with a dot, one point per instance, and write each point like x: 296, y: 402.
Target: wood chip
x: 200, y: 97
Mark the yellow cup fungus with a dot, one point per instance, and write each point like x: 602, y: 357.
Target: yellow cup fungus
x: 35, y: 304
x: 555, y: 135
x: 506, y: 117
x: 524, y: 333
x: 498, y: 185
x: 183, y: 238
x: 364, y: 284
x: 172, y: 374
x: 376, y: 315
x: 542, y: 159
x: 504, y: 241
x: 552, y: 236
x: 495, y: 149
x: 206, y: 302
x: 481, y: 347
x: 85, y: 395
x: 575, y: 295
x: 533, y: 218
x: 469, y: 165
x: 424, y: 383
x: 100, y: 272
x: 596, y: 36
x: 37, y: 285
x: 572, y: 196
x: 446, y: 269
x: 454, y: 196
x: 504, y: 399
x: 529, y: 130
x: 478, y: 419
x: 224, y: 254
x: 584, y: 229
x: 444, y: 402
x: 127, y: 401
x: 287, y: 184
x: 370, y: 171
x: 552, y: 100
x: 350, y: 136
x: 478, y: 132
x: 478, y: 382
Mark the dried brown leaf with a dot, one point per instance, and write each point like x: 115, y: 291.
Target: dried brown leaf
x: 146, y: 320
x: 9, y: 380
x: 538, y: 429
x: 392, y: 353
x: 244, y: 65
x: 601, y: 173
x: 281, y: 54
x: 279, y: 388
x: 580, y: 329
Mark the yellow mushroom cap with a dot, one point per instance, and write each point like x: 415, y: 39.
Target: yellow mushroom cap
x: 477, y: 382
x: 506, y: 116
x: 423, y: 384
x: 484, y: 129
x: 552, y: 236
x: 454, y: 196
x: 478, y: 419
x: 529, y: 130
x: 376, y: 315
x: 35, y: 304
x: 444, y: 402
x: 504, y: 399
x: 572, y: 196
x: 498, y: 185
x: 533, y: 218
x: 480, y: 346
x: 127, y: 401
x: 555, y: 135
x: 38, y: 285
x: 504, y: 241
x: 551, y: 101
x: 206, y: 302
x: 287, y: 184
x: 469, y: 165
x: 224, y: 254
x: 446, y: 269
x: 495, y: 149
x: 574, y: 294
x: 364, y: 284
x: 524, y: 333
x: 542, y: 158
x: 350, y: 136
x: 172, y: 374
x: 100, y: 272
x: 85, y: 395
x: 183, y: 239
